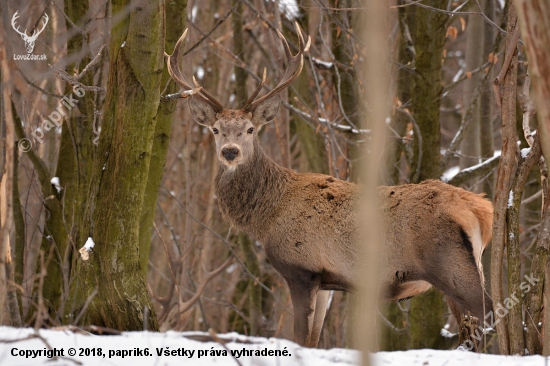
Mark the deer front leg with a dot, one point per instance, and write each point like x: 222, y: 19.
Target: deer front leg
x: 304, y: 297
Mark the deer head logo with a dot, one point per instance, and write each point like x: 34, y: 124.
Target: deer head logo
x: 29, y: 40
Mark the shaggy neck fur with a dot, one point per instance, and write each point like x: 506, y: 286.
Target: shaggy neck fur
x: 248, y: 195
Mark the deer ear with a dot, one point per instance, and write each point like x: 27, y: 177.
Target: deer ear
x: 202, y: 113
x: 266, y: 111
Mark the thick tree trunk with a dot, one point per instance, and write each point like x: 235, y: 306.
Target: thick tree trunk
x: 426, y: 312
x: 175, y: 23
x: 111, y: 279
x: 426, y: 99
x: 73, y: 170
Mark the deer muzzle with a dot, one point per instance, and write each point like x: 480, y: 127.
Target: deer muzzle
x: 230, y: 153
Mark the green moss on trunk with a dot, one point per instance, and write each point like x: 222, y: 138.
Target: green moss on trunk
x: 120, y: 174
x: 175, y: 23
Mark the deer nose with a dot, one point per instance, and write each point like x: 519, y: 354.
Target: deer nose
x: 230, y: 153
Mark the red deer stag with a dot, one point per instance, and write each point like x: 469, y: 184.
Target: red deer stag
x: 307, y: 222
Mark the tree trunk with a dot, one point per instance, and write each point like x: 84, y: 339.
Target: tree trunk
x: 399, y: 122
x: 487, y: 147
x: 470, y: 147
x: 426, y: 311
x: 111, y: 279
x: 426, y: 99
x: 175, y: 23
x: 534, y: 20
x: 506, y: 167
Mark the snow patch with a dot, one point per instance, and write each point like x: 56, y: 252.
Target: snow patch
x: 450, y: 173
x: 525, y: 151
x: 322, y: 64
x: 176, y: 348
x: 289, y: 8
x: 123, y: 44
x: 55, y: 182
x: 511, y: 199
x: 86, y: 249
x: 446, y: 334
x: 200, y: 72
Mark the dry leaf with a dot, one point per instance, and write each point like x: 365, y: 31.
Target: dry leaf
x: 84, y: 254
x: 452, y: 32
x: 463, y: 23
x: 338, y: 30
x: 469, y: 74
x: 444, y: 52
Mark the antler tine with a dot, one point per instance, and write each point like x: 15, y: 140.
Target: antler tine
x: 295, y: 64
x: 256, y: 92
x: 176, y: 74
x: 173, y: 63
x: 209, y: 98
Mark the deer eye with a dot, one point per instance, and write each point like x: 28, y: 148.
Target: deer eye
x: 215, y: 130
x: 250, y: 130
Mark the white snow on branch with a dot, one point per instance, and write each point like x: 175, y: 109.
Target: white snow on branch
x: 511, y: 199
x: 451, y: 172
x: 446, y: 334
x: 321, y: 63
x: 55, y: 182
x: 200, y: 72
x: 289, y: 8
x: 338, y: 126
x: 525, y: 151
x: 86, y: 249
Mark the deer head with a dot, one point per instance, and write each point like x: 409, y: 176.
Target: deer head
x: 235, y: 130
x: 29, y: 40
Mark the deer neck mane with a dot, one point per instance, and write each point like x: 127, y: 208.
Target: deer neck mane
x: 249, y: 194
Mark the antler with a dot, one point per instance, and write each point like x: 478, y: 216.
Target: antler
x: 295, y: 64
x: 175, y: 73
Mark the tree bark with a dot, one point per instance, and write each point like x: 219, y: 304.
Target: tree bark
x: 175, y: 23
x: 470, y: 147
x: 426, y: 99
x: 506, y: 168
x: 120, y: 174
x: 534, y: 21
x: 426, y: 311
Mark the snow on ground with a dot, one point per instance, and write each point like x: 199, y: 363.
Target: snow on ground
x: 24, y: 346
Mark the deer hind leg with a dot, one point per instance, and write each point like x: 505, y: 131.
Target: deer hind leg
x: 319, y: 317
x: 304, y: 299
